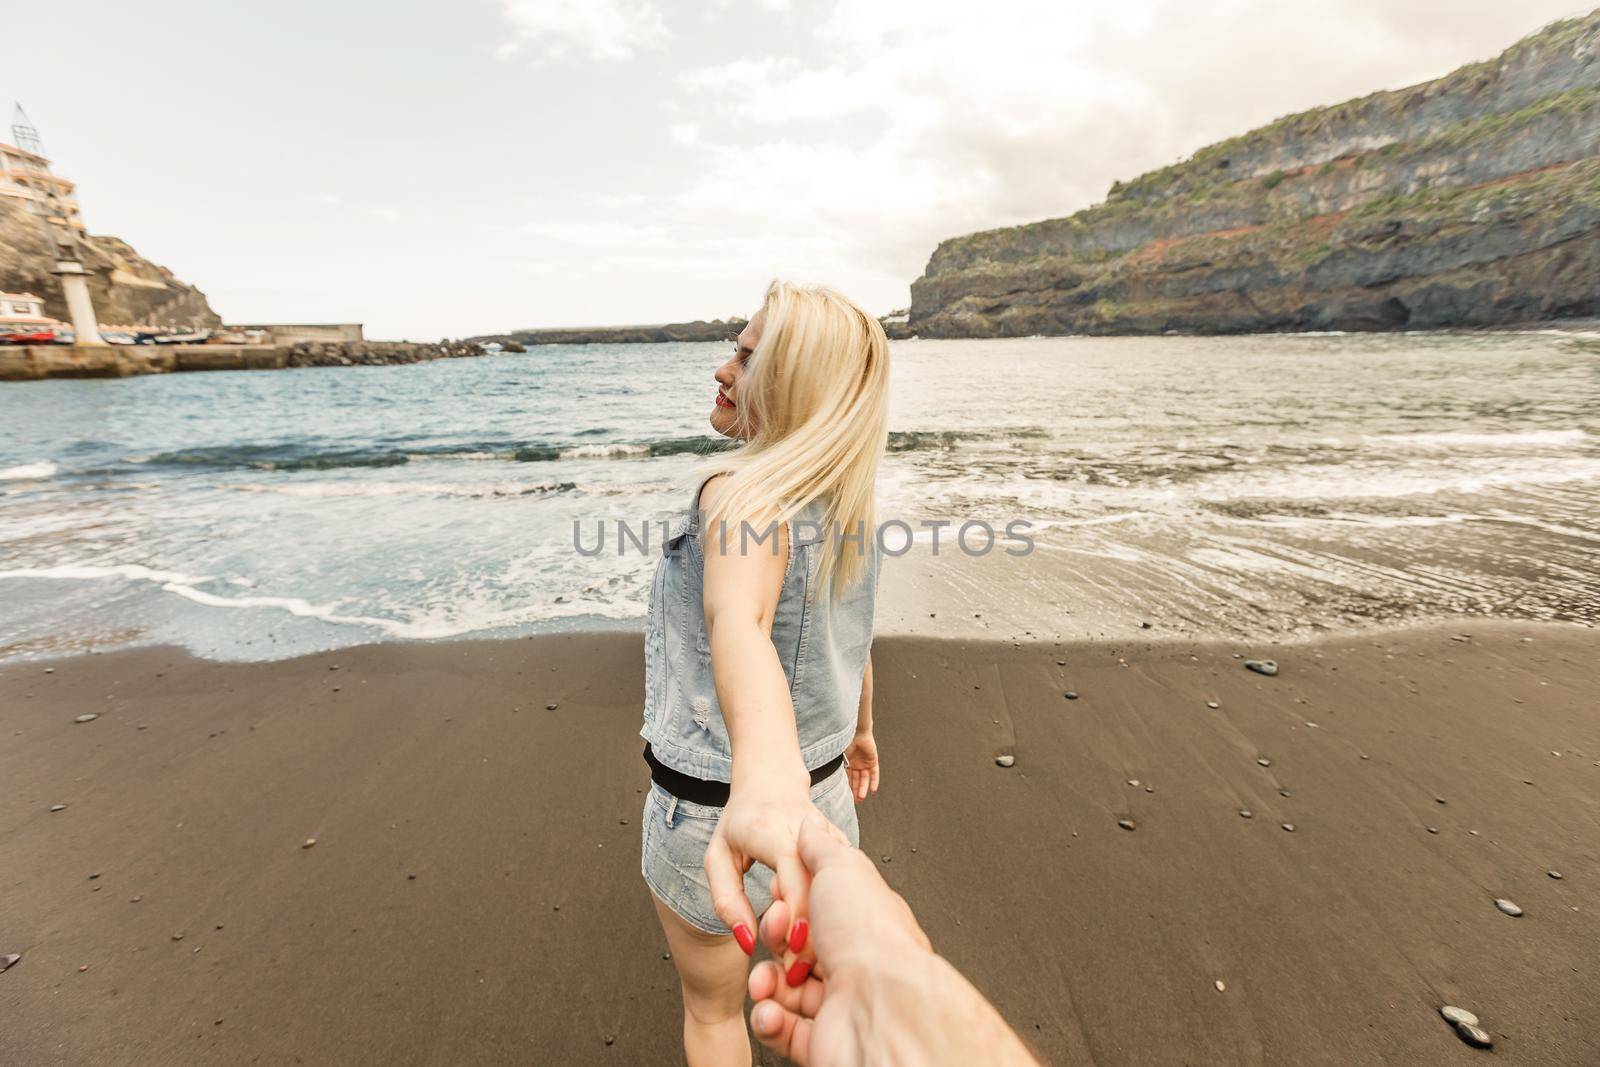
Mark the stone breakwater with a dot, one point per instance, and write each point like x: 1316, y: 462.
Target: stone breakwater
x: 36, y: 362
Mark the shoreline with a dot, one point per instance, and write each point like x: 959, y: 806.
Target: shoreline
x: 902, y: 616
x: 473, y: 893
x: 24, y: 363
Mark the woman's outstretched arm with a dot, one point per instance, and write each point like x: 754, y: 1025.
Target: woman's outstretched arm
x: 770, y: 794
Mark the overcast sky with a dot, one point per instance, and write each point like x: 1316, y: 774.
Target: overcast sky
x: 434, y: 168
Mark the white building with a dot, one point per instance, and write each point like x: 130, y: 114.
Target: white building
x: 26, y: 178
x: 22, y: 306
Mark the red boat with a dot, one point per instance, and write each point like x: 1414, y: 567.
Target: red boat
x: 25, y: 335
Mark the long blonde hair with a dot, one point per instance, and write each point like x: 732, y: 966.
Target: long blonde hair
x: 814, y: 401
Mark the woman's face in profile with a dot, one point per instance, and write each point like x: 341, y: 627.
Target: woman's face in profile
x: 725, y: 409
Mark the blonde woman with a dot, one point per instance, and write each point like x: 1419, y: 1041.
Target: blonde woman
x: 758, y: 685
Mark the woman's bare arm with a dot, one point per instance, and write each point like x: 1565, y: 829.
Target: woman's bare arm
x: 864, y: 706
x: 770, y: 794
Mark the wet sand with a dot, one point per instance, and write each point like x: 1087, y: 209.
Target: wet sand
x: 473, y: 896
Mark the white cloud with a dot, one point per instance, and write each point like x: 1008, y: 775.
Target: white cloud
x: 846, y: 146
x: 595, y: 29
x: 908, y: 121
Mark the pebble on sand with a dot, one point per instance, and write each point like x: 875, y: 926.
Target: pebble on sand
x: 1433, y: 829
x: 8, y: 959
x: 1508, y: 907
x: 177, y: 937
x: 1220, y: 987
x: 1455, y: 1015
x: 1289, y: 826
x: 1006, y: 760
x: 1070, y: 695
x: 1246, y: 813
x: 58, y: 807
x: 1554, y: 874
x: 1126, y: 824
x: 1212, y: 704
x: 549, y: 707
x: 87, y: 716
x: 1262, y: 666
x: 1474, y: 1036
x: 1264, y: 761
x: 308, y: 842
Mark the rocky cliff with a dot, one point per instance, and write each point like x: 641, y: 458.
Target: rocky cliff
x: 127, y: 288
x: 1470, y: 200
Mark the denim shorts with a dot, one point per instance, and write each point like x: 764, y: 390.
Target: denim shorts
x: 677, y: 833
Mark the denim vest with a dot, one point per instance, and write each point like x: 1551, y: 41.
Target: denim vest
x: 821, y: 640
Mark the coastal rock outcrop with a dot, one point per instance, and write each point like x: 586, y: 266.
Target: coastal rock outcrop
x: 126, y: 287
x: 698, y: 330
x: 1470, y: 200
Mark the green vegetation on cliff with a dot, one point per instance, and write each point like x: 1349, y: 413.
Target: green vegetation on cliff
x: 1471, y: 199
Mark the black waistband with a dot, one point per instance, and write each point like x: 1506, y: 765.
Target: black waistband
x: 713, y: 794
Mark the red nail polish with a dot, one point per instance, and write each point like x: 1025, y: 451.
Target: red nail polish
x: 797, y: 935
x: 798, y: 971
x: 747, y: 940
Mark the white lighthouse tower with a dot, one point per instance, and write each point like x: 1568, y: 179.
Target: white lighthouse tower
x: 57, y: 214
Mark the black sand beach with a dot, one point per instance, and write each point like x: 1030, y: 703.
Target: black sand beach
x: 473, y: 896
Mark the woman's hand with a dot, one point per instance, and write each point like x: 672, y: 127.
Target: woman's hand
x: 762, y: 823
x: 879, y: 992
x: 861, y: 759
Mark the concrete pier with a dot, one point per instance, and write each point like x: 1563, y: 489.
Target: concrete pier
x: 36, y: 362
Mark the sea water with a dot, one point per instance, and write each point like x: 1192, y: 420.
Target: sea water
x: 1241, y: 485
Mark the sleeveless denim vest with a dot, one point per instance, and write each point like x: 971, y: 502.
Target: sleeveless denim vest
x: 822, y: 642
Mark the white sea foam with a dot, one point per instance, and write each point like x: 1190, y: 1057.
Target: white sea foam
x: 28, y: 472
x: 1339, y: 483
x: 604, y: 451
x: 133, y: 572
x: 1524, y: 439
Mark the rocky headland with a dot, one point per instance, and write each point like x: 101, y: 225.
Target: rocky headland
x: 1471, y: 200
x: 126, y: 287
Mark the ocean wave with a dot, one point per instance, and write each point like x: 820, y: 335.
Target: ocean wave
x: 919, y: 440
x: 291, y: 457
x: 465, y: 490
x: 1450, y: 439
x: 459, y: 617
x: 605, y: 452
x: 303, y: 457
x: 28, y: 472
